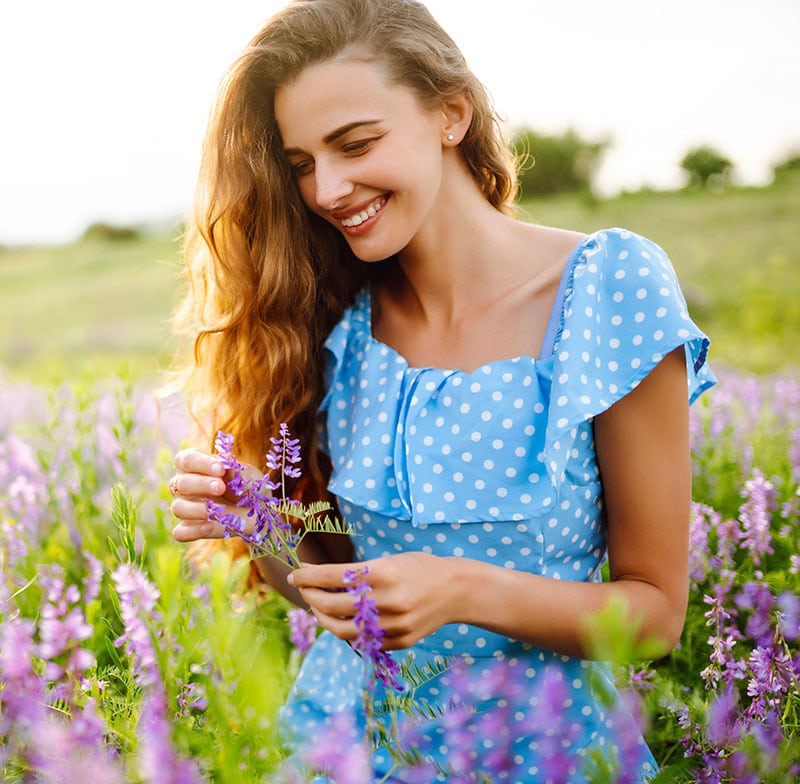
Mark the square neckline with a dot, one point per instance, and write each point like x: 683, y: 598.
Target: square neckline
x: 552, y: 329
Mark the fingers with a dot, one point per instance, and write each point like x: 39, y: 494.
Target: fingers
x: 343, y: 628
x: 186, y: 485
x: 198, y: 477
x: 323, y: 575
x: 335, y: 605
x: 192, y: 530
x: 193, y: 461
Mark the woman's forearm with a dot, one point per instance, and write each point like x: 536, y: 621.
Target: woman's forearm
x: 556, y: 614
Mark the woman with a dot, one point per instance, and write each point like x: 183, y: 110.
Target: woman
x: 500, y: 403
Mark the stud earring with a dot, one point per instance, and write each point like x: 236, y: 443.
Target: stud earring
x: 451, y: 137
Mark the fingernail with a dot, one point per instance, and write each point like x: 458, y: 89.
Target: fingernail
x: 218, y: 486
x: 207, y: 529
x: 216, y: 467
x: 290, y: 578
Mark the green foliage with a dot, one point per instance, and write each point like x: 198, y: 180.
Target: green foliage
x: 707, y: 167
x: 106, y: 232
x: 789, y: 167
x: 549, y: 165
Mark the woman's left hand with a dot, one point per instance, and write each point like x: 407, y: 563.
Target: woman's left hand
x: 413, y: 592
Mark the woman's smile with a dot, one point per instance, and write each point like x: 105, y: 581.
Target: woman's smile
x: 364, y: 219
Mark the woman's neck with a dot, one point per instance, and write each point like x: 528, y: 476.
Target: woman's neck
x: 453, y: 259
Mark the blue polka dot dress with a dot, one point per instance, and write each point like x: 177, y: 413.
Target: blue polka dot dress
x: 496, y: 465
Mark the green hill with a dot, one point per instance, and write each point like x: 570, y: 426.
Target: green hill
x: 97, y: 306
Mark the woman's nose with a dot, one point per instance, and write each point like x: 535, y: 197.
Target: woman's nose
x: 332, y: 185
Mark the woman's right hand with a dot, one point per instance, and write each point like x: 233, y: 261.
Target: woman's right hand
x: 199, y: 477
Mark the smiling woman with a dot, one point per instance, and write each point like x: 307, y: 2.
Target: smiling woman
x: 487, y: 402
x: 350, y: 174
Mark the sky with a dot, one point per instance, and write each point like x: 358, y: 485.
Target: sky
x: 104, y: 103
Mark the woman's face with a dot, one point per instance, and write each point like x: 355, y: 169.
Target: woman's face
x: 366, y: 156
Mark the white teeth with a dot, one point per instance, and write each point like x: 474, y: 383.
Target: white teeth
x: 370, y: 212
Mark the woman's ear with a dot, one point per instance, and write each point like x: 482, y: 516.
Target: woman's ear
x: 456, y: 119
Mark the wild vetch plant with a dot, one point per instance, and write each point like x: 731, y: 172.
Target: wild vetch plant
x: 126, y: 658
x: 273, y: 525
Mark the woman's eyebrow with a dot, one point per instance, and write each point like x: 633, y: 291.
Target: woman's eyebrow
x: 338, y: 133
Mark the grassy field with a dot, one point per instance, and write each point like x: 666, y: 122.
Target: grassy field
x: 95, y: 307
x: 88, y: 308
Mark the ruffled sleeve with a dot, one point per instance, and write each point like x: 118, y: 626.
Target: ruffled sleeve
x: 623, y: 313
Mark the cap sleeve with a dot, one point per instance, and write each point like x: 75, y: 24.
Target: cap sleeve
x: 623, y: 313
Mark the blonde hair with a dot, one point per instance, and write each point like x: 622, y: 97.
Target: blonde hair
x: 268, y: 279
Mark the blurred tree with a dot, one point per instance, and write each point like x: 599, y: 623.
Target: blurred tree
x: 707, y: 167
x: 787, y: 167
x: 555, y: 164
x: 106, y: 231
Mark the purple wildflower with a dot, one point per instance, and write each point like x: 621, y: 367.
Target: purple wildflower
x: 302, y: 629
x: 756, y: 515
x: 62, y: 627
x: 52, y: 749
x: 23, y: 691
x: 641, y: 680
x: 787, y: 398
x: 627, y: 720
x: 270, y: 533
x: 158, y: 761
x: 93, y: 578
x: 703, y: 518
x: 772, y: 678
x: 284, y: 456
x: 769, y: 737
x: 557, y: 763
x: 789, y: 615
x: 25, y: 496
x: 340, y: 754
x: 137, y: 601
x: 724, y: 728
x: 191, y: 697
x: 722, y: 662
x: 369, y: 639
x: 728, y: 537
x: 757, y: 597
x: 72, y: 751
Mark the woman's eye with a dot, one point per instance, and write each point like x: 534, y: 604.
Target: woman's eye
x: 357, y: 148
x: 301, y: 168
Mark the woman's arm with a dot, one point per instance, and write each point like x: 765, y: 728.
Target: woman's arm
x: 642, y: 445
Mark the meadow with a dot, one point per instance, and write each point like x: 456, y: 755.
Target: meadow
x: 90, y: 307
x: 126, y: 658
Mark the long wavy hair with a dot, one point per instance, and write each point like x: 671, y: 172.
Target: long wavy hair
x: 267, y: 278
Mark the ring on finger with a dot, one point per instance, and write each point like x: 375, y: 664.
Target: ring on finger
x: 173, y: 487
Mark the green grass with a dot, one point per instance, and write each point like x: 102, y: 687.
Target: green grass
x: 88, y: 308
x: 96, y: 307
